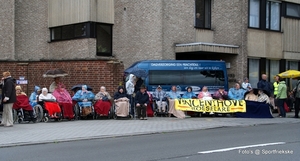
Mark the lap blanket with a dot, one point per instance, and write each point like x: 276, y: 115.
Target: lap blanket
x: 256, y: 110
x: 62, y: 96
x: 67, y: 110
x: 52, y: 107
x: 122, y: 107
x: 22, y: 102
x: 102, y: 107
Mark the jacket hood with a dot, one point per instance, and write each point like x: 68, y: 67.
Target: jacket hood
x: 131, y: 78
x: 36, y: 88
x: 282, y: 82
x: 120, y: 87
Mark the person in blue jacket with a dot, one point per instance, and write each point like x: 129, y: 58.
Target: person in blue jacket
x: 84, y: 99
x: 189, y: 94
x: 236, y: 93
x: 174, y: 94
x: 34, y: 95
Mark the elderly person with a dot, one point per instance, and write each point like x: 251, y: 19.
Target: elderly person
x: 141, y: 102
x: 161, y: 99
x: 250, y: 96
x: 64, y: 99
x: 130, y: 91
x: 103, y: 104
x: 236, y: 93
x: 84, y: 99
x: 204, y: 94
x: 55, y: 84
x: 246, y: 85
x: 189, y: 94
x: 33, y: 99
x: 220, y: 94
x: 52, y: 107
x: 8, y: 99
x: 121, y: 102
x: 172, y: 95
x: 23, y: 103
x: 262, y: 96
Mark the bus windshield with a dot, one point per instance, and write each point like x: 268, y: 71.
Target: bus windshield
x: 173, y: 77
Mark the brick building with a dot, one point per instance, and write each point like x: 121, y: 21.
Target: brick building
x: 93, y: 39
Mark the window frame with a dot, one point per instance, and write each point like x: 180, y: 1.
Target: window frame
x: 205, y: 12
x: 111, y: 41
x: 263, y: 15
x: 284, y: 10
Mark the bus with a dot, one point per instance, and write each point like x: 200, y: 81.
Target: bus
x: 183, y: 74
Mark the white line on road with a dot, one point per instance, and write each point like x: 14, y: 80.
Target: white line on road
x: 239, y: 147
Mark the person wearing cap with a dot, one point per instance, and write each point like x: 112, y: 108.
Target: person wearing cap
x: 9, y: 98
x: 220, y: 94
x: 34, y: 95
x: 141, y: 101
x: 246, y: 85
x: 161, y: 99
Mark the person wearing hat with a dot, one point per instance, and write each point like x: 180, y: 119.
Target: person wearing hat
x: 9, y: 98
x: 160, y: 96
x: 141, y: 102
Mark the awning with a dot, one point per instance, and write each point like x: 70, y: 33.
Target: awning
x: 206, y: 47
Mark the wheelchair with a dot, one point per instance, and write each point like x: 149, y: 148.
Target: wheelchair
x: 156, y: 111
x: 41, y: 111
x: 80, y: 113
x: 118, y: 113
x: 20, y: 116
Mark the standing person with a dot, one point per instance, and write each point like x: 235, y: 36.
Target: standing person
x: 275, y: 86
x: 296, y: 91
x: 265, y: 85
x: 55, y: 84
x: 281, y: 96
x: 9, y: 98
x: 141, y: 100
x: 130, y: 90
x: 138, y: 84
x: 246, y: 85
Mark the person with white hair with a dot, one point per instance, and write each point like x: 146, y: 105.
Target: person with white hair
x: 103, y: 104
x: 46, y: 96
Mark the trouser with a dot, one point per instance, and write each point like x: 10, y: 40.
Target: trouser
x: 281, y: 107
x: 7, y: 115
x: 141, y: 111
x: 131, y: 100
x: 161, y: 105
x: 297, y: 104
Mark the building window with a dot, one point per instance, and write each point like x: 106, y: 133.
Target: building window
x: 274, y: 69
x: 292, y: 10
x: 264, y: 14
x: 203, y: 14
x: 253, y: 68
x: 69, y: 32
x: 254, y: 13
x: 104, y: 40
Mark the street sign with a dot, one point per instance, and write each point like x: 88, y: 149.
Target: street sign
x: 22, y: 81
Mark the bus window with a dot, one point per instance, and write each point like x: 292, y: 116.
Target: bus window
x: 163, y: 77
x: 204, y: 77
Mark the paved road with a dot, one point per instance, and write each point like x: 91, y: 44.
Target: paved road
x: 177, y: 146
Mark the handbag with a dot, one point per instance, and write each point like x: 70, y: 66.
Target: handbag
x: 105, y: 98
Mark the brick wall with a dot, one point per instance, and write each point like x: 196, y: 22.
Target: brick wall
x: 92, y: 73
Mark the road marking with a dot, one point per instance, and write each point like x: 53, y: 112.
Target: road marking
x: 239, y: 147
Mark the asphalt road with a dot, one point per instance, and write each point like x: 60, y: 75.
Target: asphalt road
x: 263, y: 142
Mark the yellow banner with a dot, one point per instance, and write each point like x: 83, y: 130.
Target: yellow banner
x: 217, y: 106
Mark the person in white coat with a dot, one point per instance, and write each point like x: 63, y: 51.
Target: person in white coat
x: 130, y: 91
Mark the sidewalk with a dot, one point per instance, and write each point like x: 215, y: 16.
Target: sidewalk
x: 51, y: 132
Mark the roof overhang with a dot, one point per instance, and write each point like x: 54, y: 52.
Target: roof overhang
x: 206, y: 47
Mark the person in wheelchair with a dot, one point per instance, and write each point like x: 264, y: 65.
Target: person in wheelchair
x: 33, y: 99
x: 160, y: 98
x: 23, y: 103
x: 84, y: 99
x: 49, y: 103
x: 64, y: 100
x: 121, y: 102
x: 103, y: 104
